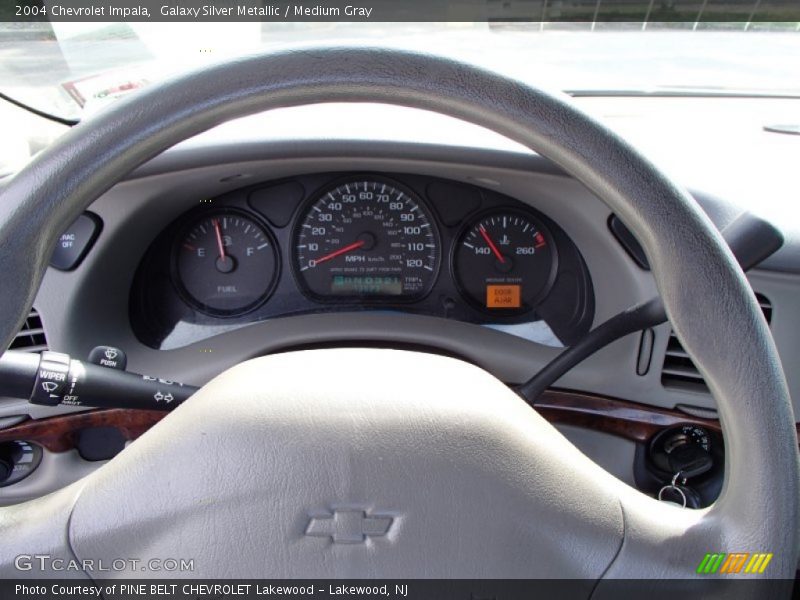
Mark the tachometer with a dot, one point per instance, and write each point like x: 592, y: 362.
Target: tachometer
x: 366, y: 238
x: 505, y: 262
x: 226, y: 263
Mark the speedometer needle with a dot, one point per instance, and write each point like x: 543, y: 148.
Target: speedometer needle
x: 339, y: 252
x: 489, y: 241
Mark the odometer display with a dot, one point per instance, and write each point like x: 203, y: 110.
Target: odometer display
x: 366, y: 238
x: 344, y: 285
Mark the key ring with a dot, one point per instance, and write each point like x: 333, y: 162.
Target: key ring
x: 675, y: 487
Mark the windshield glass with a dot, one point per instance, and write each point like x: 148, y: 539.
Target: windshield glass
x: 73, y: 69
x: 66, y: 68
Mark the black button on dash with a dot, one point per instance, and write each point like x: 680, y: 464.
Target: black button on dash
x: 75, y: 242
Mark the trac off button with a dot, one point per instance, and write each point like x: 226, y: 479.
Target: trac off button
x: 75, y: 242
x: 108, y: 356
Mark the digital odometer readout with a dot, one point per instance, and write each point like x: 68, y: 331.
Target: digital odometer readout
x: 367, y: 238
x: 367, y: 286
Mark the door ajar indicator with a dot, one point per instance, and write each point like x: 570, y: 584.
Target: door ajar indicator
x: 505, y: 262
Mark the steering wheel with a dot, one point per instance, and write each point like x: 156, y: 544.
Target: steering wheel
x: 382, y: 463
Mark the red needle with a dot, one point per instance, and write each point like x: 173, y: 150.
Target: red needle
x: 220, y: 245
x: 491, y: 244
x: 340, y: 251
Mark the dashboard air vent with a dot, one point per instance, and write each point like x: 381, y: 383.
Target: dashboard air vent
x: 679, y: 370
x: 31, y: 337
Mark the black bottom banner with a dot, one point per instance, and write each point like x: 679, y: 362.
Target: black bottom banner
x: 362, y: 589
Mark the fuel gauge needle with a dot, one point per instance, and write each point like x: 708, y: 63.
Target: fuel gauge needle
x: 225, y: 263
x: 335, y: 253
x: 220, y: 245
x: 489, y: 241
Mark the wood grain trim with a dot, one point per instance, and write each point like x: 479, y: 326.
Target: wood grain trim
x: 629, y: 420
x: 59, y: 434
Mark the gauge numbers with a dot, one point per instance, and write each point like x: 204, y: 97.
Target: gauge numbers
x: 505, y: 262
x: 366, y: 238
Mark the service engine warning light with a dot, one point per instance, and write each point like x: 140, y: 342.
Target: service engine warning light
x: 503, y: 296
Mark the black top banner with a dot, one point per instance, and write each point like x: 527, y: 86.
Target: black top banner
x: 592, y: 11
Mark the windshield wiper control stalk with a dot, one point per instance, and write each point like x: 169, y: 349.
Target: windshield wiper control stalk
x: 54, y: 379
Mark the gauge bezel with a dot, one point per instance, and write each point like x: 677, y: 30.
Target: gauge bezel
x: 365, y: 299
x: 472, y: 221
x: 191, y: 220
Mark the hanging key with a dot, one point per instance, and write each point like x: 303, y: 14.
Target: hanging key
x: 687, y: 458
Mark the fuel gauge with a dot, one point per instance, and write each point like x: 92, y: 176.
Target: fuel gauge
x: 226, y: 263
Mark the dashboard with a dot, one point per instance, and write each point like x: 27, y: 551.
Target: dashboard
x: 350, y: 241
x: 143, y: 284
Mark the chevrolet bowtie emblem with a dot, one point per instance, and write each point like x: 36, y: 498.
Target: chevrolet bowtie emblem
x: 348, y: 526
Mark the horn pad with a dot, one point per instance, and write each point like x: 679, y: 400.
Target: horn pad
x: 352, y: 463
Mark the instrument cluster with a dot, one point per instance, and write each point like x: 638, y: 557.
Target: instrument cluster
x: 359, y: 241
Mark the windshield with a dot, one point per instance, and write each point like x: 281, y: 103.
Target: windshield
x: 72, y: 69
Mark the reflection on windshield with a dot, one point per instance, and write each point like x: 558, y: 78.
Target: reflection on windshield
x: 73, y: 69
x: 67, y: 68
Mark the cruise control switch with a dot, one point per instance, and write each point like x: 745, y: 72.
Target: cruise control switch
x: 53, y: 379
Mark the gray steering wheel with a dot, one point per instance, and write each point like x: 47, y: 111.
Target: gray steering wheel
x: 310, y: 472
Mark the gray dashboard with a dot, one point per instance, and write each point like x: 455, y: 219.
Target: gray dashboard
x: 90, y: 306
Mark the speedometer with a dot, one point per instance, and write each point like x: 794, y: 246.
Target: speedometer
x: 366, y: 238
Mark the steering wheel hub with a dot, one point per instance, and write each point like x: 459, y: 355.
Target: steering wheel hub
x: 382, y: 463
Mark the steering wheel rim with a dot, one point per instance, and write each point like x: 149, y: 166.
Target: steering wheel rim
x: 706, y: 295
